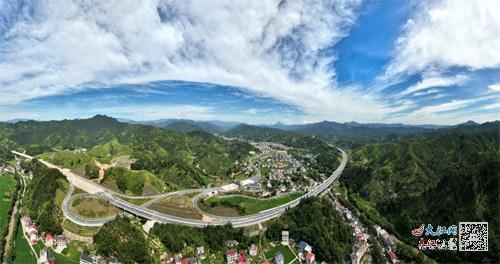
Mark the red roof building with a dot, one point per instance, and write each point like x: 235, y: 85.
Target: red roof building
x: 49, y: 240
x: 310, y: 257
x: 392, y: 257
x: 242, y: 259
x: 232, y: 256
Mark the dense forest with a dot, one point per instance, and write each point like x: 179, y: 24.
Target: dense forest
x: 315, y: 221
x: 41, y: 194
x: 439, y: 178
x: 182, y: 159
x: 122, y: 239
x: 176, y: 237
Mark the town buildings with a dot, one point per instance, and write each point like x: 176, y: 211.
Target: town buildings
x: 91, y: 259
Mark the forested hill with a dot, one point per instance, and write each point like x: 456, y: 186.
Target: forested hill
x: 440, y: 178
x: 184, y: 158
x: 350, y: 135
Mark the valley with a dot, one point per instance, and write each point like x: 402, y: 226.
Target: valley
x: 252, y: 178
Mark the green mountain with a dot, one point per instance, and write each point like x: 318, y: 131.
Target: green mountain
x: 208, y: 126
x: 181, y: 160
x: 183, y: 127
x: 354, y: 134
x: 440, y: 178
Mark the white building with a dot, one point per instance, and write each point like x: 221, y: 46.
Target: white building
x: 285, y: 237
x: 200, y: 252
x: 252, y: 251
x: 246, y: 182
x: 43, y: 256
x: 229, y: 187
x: 61, y: 242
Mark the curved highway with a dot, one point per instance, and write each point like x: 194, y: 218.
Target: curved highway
x: 149, y: 214
x: 66, y: 204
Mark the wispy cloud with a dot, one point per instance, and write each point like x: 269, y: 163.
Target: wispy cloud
x: 434, y: 81
x: 494, y: 87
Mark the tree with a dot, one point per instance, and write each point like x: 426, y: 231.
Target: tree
x: 120, y: 238
x: 91, y: 170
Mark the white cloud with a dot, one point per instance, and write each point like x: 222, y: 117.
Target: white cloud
x: 434, y: 81
x: 452, y: 112
x: 495, y: 87
x: 271, y: 48
x: 449, y: 33
x: 495, y: 105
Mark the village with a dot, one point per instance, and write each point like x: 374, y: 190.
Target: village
x: 299, y: 253
x: 57, y: 243
x: 274, y: 171
x: 361, y: 247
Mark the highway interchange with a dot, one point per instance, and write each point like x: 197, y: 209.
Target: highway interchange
x: 95, y: 189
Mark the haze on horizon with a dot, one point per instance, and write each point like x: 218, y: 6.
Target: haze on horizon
x: 429, y: 62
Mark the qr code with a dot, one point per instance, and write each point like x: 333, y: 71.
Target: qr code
x: 473, y: 236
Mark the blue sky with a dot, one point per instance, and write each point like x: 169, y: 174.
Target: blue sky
x: 416, y: 62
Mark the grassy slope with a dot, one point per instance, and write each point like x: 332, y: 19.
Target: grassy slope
x: 93, y: 208
x: 135, y: 182
x: 179, y: 205
x: 66, y: 159
x: 287, y: 253
x: 80, y: 230
x: 249, y: 205
x: 104, y: 153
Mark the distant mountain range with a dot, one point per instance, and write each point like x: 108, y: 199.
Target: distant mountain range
x: 335, y: 131
x: 186, y: 125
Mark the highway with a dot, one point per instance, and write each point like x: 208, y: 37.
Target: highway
x: 240, y: 221
x: 66, y: 204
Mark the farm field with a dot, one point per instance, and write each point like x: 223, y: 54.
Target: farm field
x: 23, y: 253
x: 248, y: 205
x: 7, y: 189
